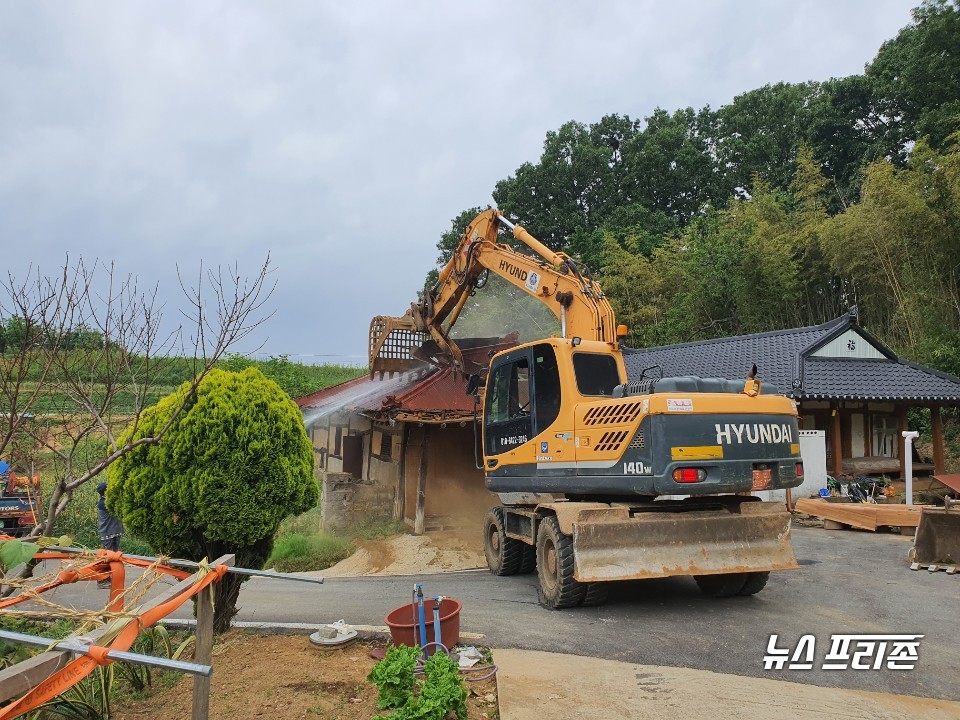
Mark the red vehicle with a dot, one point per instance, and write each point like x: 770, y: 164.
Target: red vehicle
x: 20, y: 501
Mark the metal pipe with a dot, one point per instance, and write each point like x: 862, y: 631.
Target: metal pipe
x: 521, y: 234
x: 83, y: 648
x: 195, y: 566
x: 908, y: 437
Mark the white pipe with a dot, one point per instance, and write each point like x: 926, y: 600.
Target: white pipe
x: 908, y: 437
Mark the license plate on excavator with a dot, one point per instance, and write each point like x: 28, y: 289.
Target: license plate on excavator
x: 761, y: 478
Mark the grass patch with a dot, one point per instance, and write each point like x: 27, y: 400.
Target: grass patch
x: 296, y: 552
x: 301, y: 545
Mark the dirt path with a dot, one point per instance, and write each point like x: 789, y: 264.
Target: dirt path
x: 443, y: 551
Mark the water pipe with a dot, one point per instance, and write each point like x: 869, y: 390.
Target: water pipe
x: 908, y: 437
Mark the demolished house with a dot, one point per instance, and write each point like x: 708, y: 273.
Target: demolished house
x: 400, y: 444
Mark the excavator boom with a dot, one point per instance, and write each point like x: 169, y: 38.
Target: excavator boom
x: 553, y: 278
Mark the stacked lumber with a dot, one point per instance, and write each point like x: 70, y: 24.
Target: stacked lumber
x: 858, y: 515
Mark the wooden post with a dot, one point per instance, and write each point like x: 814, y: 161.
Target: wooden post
x: 203, y: 642
x: 902, y: 428
x: 422, y: 484
x: 936, y: 425
x: 789, y: 500
x: 400, y: 501
x: 203, y: 653
x: 836, y: 443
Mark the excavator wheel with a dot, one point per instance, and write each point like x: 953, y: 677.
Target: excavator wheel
x: 756, y: 581
x: 596, y: 594
x: 558, y: 589
x: 504, y: 555
x: 529, y: 562
x: 726, y: 585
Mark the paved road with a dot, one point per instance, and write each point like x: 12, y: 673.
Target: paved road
x: 849, y: 582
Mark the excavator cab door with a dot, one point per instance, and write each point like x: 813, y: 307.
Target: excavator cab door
x: 508, y: 416
x: 523, y: 400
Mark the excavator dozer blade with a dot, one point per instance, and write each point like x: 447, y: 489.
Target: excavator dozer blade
x: 664, y: 544
x: 937, y: 541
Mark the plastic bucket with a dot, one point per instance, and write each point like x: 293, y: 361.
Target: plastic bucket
x: 403, y: 620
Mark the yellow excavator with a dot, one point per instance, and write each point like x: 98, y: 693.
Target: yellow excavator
x: 603, y: 478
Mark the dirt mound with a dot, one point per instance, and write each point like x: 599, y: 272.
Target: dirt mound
x: 434, y: 552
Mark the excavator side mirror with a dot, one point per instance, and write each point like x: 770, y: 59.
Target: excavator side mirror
x: 473, y: 384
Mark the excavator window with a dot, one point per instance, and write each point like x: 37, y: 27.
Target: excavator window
x: 546, y: 386
x: 508, y: 416
x: 596, y: 373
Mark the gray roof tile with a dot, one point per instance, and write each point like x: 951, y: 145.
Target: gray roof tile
x: 781, y: 359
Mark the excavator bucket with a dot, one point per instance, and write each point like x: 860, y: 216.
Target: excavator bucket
x: 664, y: 544
x: 937, y: 541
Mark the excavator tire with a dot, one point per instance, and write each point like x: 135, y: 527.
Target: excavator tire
x: 504, y: 555
x: 756, y: 581
x: 726, y: 585
x: 558, y: 588
x: 596, y: 594
x: 529, y: 562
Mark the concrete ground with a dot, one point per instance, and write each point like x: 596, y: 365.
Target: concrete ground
x: 539, y: 686
x: 849, y: 582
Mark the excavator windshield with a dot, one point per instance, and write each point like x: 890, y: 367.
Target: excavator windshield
x: 596, y: 373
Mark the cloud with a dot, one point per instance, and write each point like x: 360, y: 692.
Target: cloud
x: 342, y: 137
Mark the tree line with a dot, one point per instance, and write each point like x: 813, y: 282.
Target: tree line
x: 781, y: 209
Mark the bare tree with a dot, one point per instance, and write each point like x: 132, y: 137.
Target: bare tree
x: 87, y: 355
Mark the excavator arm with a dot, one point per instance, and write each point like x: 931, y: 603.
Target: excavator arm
x: 553, y: 278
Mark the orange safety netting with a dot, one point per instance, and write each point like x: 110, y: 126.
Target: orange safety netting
x: 107, y: 564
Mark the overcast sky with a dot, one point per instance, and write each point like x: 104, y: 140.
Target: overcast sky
x: 343, y: 137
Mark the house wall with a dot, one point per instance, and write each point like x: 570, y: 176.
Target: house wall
x: 850, y: 344
x: 367, y: 494
x: 454, y: 486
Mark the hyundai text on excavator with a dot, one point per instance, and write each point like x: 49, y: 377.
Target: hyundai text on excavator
x: 602, y: 478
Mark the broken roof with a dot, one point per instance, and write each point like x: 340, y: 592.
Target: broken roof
x: 427, y: 394
x: 837, y: 360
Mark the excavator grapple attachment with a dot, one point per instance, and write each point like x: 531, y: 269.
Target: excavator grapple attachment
x: 698, y: 542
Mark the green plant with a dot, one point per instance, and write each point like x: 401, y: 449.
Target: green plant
x: 299, y: 553
x: 393, y: 677
x: 14, y: 552
x: 439, y: 693
x: 232, y: 466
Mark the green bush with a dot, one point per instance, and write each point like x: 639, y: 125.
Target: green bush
x: 232, y: 466
x: 299, y: 553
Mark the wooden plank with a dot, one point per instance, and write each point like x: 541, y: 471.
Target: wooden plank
x: 17, y: 679
x: 951, y: 480
x: 400, y: 500
x: 864, y: 516
x: 422, y: 485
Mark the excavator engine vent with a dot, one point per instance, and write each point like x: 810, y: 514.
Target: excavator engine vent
x: 613, y: 414
x: 637, y: 442
x: 611, y: 440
